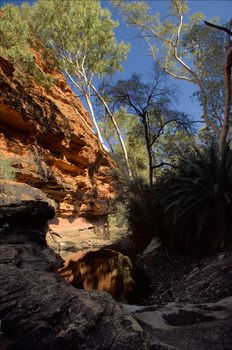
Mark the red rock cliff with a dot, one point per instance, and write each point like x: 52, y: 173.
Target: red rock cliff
x: 48, y: 136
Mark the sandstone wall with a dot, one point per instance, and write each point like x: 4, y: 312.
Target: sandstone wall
x: 48, y: 136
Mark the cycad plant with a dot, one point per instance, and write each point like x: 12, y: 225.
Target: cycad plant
x: 191, y: 205
x: 195, y: 202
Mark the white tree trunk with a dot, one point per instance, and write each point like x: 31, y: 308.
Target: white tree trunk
x: 89, y: 103
x: 125, y: 154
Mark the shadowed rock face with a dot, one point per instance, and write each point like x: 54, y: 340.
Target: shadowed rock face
x: 47, y: 135
x: 38, y: 309
x: 104, y: 269
x: 24, y: 207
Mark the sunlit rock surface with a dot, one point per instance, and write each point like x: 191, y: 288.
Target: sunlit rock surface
x: 47, y: 134
x: 66, y: 236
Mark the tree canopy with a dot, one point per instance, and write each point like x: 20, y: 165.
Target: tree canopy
x: 81, y: 35
x: 187, y: 51
x: 150, y: 104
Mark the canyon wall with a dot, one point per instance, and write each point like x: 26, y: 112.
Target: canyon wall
x: 47, y: 134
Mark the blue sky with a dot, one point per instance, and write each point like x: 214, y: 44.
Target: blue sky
x: 138, y: 58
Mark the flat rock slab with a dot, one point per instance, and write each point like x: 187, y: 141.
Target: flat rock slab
x: 180, y: 326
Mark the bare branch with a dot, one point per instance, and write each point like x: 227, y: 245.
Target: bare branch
x: 180, y: 77
x: 225, y: 29
x: 165, y: 164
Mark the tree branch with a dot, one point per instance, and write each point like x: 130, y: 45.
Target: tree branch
x: 165, y: 163
x: 180, y: 77
x: 225, y: 29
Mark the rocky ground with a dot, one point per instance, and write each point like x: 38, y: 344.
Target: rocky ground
x: 189, y: 306
x: 189, y: 301
x: 176, y: 278
x: 183, y: 326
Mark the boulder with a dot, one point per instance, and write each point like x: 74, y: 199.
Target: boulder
x: 24, y: 211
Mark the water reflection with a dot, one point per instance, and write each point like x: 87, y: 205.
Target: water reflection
x: 103, y: 269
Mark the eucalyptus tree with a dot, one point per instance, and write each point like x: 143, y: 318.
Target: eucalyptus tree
x: 81, y: 35
x: 149, y: 103
x: 186, y: 51
x: 227, y: 81
x: 134, y: 140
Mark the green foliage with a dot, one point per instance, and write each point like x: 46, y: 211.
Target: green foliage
x: 17, y: 41
x: 163, y: 37
x: 15, y: 36
x: 81, y: 33
x: 82, y: 38
x: 206, y: 47
x: 190, y: 207
x: 118, y: 222
x: 50, y: 59
x: 136, y: 9
x: 173, y: 143
x: 14, y: 30
x: 7, y: 172
x: 133, y: 138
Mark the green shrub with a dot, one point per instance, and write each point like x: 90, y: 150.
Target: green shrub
x: 141, y: 214
x: 118, y: 222
x: 190, y: 207
x: 7, y: 172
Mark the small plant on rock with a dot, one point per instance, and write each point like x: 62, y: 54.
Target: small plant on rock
x: 7, y: 172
